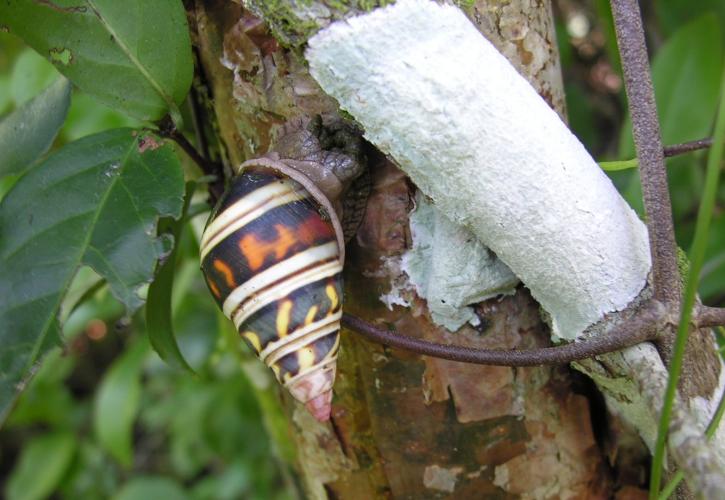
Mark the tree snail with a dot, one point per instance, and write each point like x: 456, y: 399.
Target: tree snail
x: 273, y: 249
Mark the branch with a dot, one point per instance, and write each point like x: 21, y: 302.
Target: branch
x: 710, y: 316
x: 687, y: 147
x: 646, y: 130
x: 709, y: 432
x: 168, y: 130
x: 698, y: 459
x: 641, y: 327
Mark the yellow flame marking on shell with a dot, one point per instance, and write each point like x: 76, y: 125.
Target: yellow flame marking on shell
x: 332, y: 295
x: 306, y: 357
x: 253, y: 339
x: 311, y: 315
x: 283, y: 318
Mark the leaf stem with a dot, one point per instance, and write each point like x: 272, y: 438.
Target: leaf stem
x: 168, y: 129
x: 710, y: 316
x: 668, y: 151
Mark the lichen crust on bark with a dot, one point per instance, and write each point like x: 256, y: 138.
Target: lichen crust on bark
x: 451, y: 268
x: 477, y: 138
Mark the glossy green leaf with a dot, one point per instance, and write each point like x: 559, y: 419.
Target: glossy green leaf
x: 28, y: 132
x: 87, y: 116
x: 42, y: 464
x: 686, y: 78
x: 117, y: 403
x: 133, y: 55
x: 158, y: 304
x: 31, y: 74
x: 94, y: 202
x: 145, y: 487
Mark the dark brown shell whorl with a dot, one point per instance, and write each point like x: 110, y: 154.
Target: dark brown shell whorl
x: 272, y: 256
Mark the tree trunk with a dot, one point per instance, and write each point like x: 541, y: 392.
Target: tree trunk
x: 403, y: 425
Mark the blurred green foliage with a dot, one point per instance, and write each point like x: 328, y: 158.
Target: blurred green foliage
x: 105, y: 417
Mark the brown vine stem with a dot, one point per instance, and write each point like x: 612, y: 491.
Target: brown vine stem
x: 646, y: 131
x: 641, y: 327
x: 710, y: 316
x: 168, y: 130
x: 687, y: 147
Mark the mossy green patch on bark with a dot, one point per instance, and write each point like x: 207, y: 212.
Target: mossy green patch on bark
x: 465, y: 4
x: 683, y: 266
x: 293, y: 23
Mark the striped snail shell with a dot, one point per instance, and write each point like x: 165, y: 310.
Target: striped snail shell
x: 272, y: 255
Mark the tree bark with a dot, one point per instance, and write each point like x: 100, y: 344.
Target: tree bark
x: 403, y: 425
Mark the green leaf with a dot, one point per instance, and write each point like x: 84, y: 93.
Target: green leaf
x: 144, y: 487
x: 712, y: 283
x: 686, y: 78
x: 674, y: 13
x: 158, y: 305
x: 94, y: 202
x: 133, y: 55
x: 87, y: 116
x: 117, y: 403
x: 28, y: 132
x: 31, y: 74
x: 42, y: 465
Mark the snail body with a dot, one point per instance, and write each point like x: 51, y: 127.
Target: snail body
x: 272, y: 254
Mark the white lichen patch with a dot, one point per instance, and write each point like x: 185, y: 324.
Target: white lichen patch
x: 401, y: 290
x: 451, y: 268
x: 440, y: 478
x: 476, y: 138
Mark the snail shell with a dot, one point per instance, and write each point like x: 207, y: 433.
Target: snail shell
x: 272, y: 255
